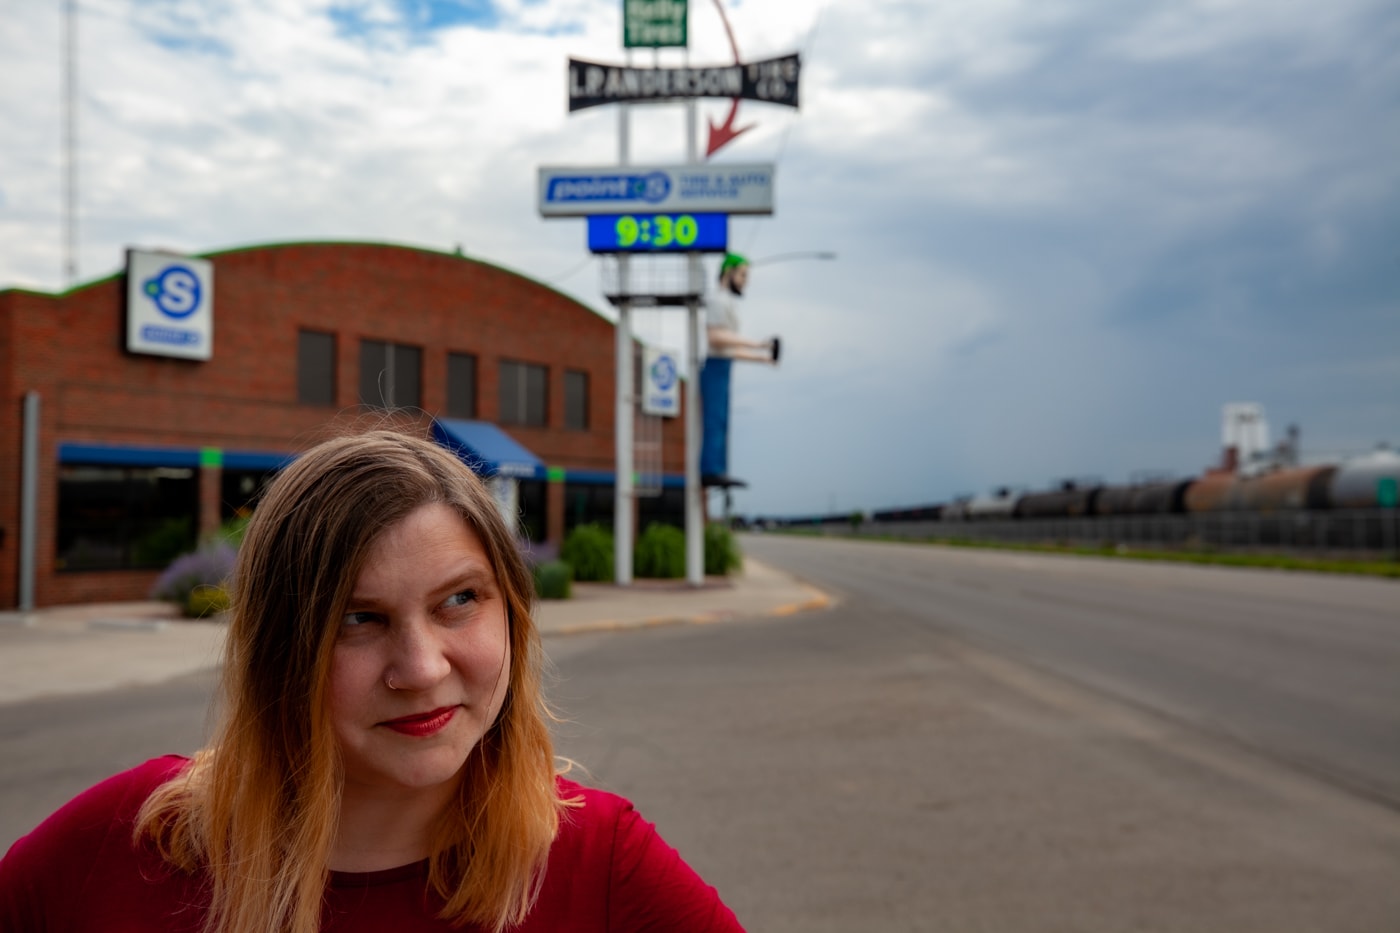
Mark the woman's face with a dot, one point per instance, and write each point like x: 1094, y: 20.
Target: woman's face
x: 422, y: 660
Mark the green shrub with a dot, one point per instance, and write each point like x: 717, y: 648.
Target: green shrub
x: 721, y: 551
x: 163, y: 543
x: 205, y: 600
x: 553, y: 579
x: 589, y: 551
x: 660, y: 552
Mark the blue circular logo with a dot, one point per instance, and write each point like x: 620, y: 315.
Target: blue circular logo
x: 663, y: 373
x: 654, y: 187
x: 175, y: 291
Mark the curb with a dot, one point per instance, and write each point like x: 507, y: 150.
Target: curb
x: 819, y: 601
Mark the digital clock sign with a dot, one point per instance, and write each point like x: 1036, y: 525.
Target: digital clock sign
x: 658, y: 233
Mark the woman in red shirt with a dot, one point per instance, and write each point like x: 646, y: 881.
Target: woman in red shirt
x: 384, y: 758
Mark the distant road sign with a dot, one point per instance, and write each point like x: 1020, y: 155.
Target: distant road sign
x: 773, y: 81
x: 656, y: 189
x: 658, y: 233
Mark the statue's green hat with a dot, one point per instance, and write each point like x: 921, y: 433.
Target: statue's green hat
x: 731, y: 260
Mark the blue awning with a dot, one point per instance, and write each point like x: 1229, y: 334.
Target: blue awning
x: 487, y: 449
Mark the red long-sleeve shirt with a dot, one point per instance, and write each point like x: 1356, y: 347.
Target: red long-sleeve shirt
x: 79, y: 871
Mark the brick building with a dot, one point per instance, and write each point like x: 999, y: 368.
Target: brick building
x: 138, y: 455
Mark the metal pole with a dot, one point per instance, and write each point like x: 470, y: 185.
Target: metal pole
x: 28, y: 500
x: 622, y: 483
x: 70, y: 144
x: 694, y: 515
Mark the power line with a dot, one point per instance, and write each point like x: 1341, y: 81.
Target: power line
x: 70, y: 143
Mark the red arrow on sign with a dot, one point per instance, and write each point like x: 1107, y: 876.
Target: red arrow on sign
x: 722, y: 135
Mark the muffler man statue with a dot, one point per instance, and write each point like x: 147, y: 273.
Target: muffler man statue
x: 725, y: 346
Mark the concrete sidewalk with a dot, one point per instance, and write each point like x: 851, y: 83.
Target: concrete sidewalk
x: 83, y: 649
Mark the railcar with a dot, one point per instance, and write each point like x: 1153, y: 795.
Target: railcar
x: 1069, y: 501
x: 1286, y: 490
x: 1161, y: 498
x: 996, y: 505
x: 1366, y: 482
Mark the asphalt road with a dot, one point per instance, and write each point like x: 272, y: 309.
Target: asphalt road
x: 1304, y: 667
x: 896, y: 764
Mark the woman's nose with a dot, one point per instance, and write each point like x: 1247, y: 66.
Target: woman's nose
x: 420, y: 660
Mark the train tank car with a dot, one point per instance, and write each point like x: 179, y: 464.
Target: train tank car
x: 999, y: 504
x: 1069, y: 501
x: 1366, y: 482
x: 1286, y: 490
x: 1164, y: 498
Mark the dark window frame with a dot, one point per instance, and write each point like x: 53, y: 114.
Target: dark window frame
x: 316, y: 377
x: 575, y: 408
x: 404, y: 364
x: 462, y: 394
x: 149, y: 516
x: 524, y: 393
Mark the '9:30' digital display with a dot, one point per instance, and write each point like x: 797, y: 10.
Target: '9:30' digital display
x: 657, y: 233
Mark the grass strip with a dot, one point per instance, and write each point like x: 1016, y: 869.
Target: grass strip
x: 1367, y: 568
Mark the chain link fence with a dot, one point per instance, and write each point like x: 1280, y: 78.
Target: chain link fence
x: 1353, y: 530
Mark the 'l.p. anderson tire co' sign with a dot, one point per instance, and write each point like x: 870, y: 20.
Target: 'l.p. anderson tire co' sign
x: 773, y: 81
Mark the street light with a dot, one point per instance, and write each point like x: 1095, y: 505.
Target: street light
x: 788, y: 257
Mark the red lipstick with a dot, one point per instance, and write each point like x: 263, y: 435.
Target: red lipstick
x: 422, y: 725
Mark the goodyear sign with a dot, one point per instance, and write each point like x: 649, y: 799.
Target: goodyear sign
x: 169, y: 305
x: 719, y: 189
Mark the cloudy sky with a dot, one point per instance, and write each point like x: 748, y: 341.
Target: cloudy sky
x: 1066, y: 232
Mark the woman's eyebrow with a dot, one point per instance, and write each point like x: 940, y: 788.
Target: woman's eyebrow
x: 470, y: 573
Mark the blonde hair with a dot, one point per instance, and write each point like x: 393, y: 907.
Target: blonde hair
x: 256, y: 811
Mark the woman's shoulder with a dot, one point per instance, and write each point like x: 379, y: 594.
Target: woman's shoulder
x: 583, y: 797
x: 608, y: 851
x: 48, y: 867
x: 115, y: 799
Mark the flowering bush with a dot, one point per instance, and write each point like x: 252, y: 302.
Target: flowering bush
x: 206, y: 568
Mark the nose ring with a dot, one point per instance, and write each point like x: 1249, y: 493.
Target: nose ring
x: 389, y: 681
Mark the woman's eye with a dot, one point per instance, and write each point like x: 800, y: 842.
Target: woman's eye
x: 359, y: 618
x: 460, y: 599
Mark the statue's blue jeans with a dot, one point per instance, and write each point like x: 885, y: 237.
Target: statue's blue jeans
x: 714, y: 408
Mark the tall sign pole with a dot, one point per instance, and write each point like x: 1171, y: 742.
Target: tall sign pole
x: 622, y: 482
x: 694, y: 514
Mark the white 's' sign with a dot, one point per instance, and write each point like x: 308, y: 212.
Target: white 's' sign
x: 169, y: 305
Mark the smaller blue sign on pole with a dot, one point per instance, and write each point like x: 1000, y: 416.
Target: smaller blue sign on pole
x: 661, y: 394
x: 658, y: 233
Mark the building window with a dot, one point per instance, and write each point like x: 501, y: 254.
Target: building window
x: 315, y: 368
x: 120, y: 518
x: 240, y: 491
x: 524, y: 393
x: 461, y: 385
x: 389, y: 374
x: 576, y: 399
x: 668, y: 508
x: 588, y: 503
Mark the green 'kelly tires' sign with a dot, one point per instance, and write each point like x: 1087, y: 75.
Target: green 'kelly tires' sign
x: 653, y: 23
